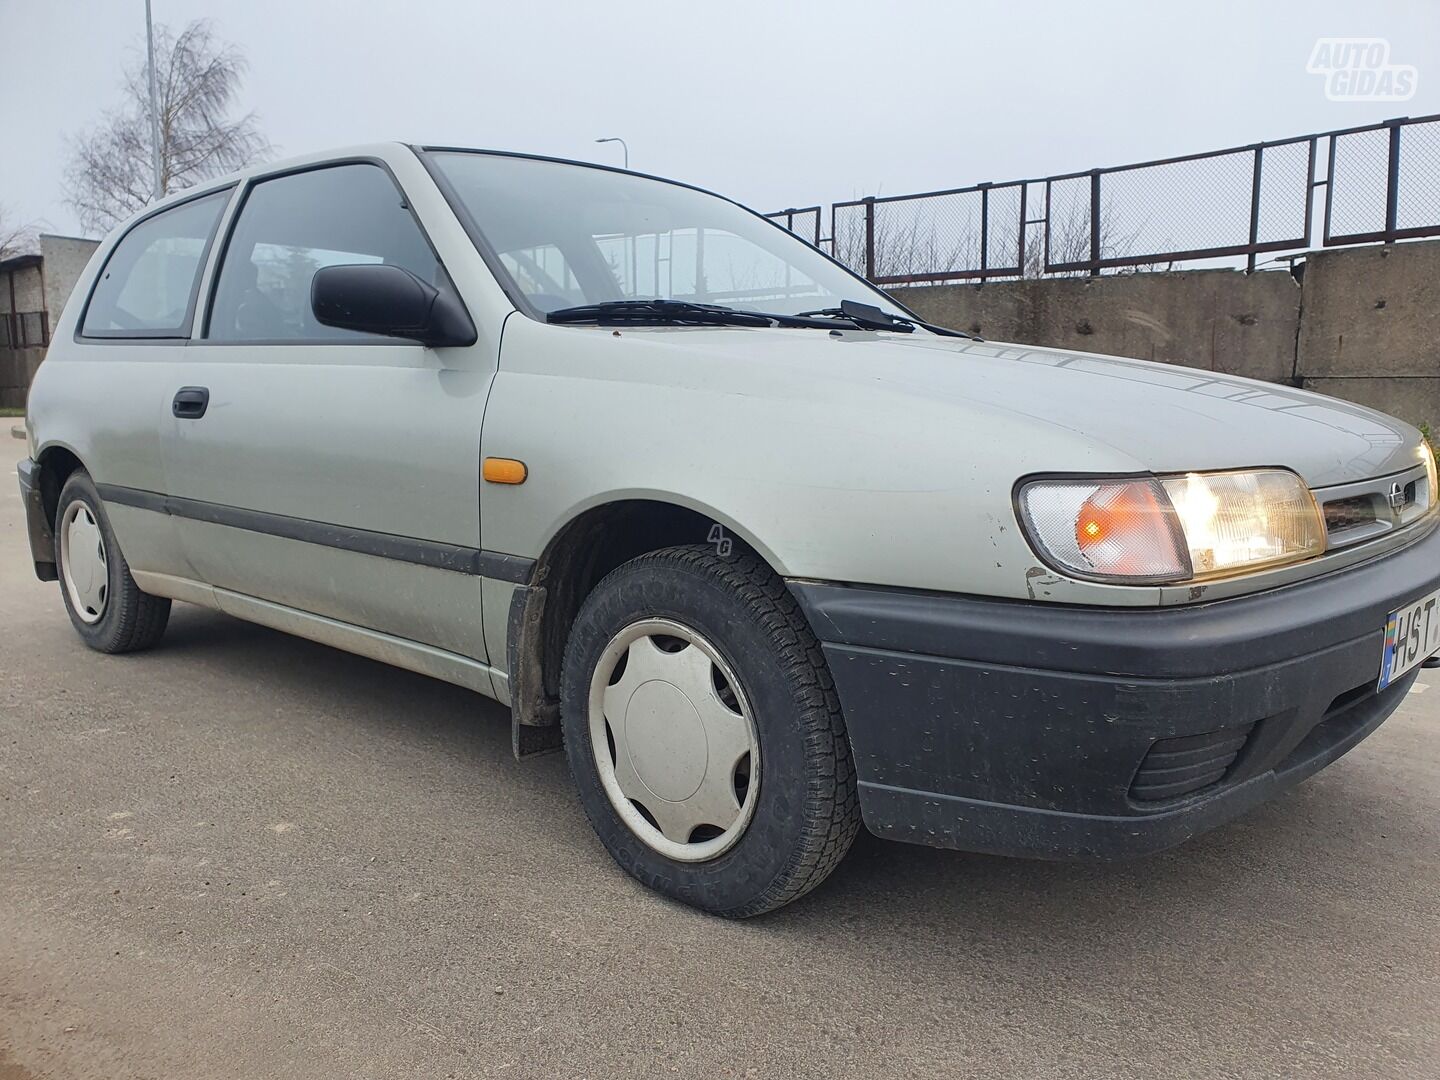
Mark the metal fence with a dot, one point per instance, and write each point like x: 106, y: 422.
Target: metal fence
x: 1380, y: 183
x: 803, y: 221
x: 23, y: 329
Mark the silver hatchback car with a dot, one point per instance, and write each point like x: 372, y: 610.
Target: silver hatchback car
x: 765, y: 553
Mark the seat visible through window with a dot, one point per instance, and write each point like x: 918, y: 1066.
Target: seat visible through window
x: 291, y: 226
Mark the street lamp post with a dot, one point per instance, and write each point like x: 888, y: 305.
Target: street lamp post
x: 622, y: 147
x: 154, y: 110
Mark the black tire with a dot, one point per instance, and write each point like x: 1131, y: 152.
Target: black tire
x: 132, y: 620
x: 807, y: 809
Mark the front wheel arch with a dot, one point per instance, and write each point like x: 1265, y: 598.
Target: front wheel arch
x: 591, y: 543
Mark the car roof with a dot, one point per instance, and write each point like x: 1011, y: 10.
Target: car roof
x: 382, y: 151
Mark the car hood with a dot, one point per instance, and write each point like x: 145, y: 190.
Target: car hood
x: 1158, y: 417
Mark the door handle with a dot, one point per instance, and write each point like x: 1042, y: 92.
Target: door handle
x: 191, y: 402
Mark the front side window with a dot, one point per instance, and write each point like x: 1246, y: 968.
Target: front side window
x: 293, y: 225
x: 147, y: 288
x: 568, y: 235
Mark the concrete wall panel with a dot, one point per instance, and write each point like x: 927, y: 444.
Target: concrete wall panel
x: 65, y: 258
x: 1372, y: 311
x: 1365, y: 326
x: 1219, y: 320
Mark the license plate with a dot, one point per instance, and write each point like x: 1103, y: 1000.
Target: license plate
x: 1411, y: 635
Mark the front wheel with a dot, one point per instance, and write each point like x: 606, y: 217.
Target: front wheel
x: 108, y: 610
x: 704, y: 733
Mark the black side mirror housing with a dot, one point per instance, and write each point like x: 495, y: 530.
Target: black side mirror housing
x: 374, y: 298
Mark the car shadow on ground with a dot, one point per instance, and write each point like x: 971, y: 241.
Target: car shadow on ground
x: 1222, y: 883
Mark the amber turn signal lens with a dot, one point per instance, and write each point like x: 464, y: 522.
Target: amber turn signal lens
x: 504, y: 470
x: 1120, y: 530
x: 1123, y: 530
x: 1093, y: 525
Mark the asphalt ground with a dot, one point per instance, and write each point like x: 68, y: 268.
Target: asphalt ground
x: 245, y: 855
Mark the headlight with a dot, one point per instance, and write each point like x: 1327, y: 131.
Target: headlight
x: 1171, y: 529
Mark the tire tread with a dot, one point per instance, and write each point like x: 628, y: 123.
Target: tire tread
x: 134, y: 620
x: 832, y: 805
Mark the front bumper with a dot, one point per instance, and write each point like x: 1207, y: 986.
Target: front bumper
x: 1053, y: 731
x: 42, y: 539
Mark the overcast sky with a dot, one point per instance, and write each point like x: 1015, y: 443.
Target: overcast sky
x: 773, y: 103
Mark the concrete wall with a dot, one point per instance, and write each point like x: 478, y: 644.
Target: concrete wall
x: 1220, y: 320
x: 27, y: 286
x: 65, y: 259
x: 17, y: 366
x: 1364, y: 325
x: 47, y: 288
x: 1370, y: 331
x: 17, y: 369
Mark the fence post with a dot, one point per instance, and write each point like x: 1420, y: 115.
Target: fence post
x: 1094, y: 222
x: 870, y: 238
x: 1310, y: 185
x: 1255, y: 210
x: 1024, y: 224
x: 1392, y: 183
x: 984, y: 228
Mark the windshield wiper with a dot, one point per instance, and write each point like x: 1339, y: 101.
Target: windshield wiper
x: 850, y: 313
x: 680, y: 312
x: 642, y: 311
x: 870, y: 317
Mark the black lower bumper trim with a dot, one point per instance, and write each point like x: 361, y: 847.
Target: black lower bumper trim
x: 37, y: 521
x: 927, y: 817
x: 1050, y: 730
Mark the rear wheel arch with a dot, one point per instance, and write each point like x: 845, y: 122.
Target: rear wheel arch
x: 57, y: 463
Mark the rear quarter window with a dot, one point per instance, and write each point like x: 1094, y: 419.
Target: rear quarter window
x: 148, y: 285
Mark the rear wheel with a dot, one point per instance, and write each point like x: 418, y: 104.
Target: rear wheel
x: 107, y: 608
x: 704, y: 733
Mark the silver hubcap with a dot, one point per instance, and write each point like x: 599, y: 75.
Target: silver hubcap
x: 83, y: 562
x: 674, y: 740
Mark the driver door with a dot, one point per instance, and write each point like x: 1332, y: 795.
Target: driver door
x: 328, y: 471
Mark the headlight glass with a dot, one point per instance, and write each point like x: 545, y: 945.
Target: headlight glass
x: 1172, y: 529
x: 1246, y: 520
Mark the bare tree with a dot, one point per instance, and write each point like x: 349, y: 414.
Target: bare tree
x: 15, y: 238
x: 919, y: 239
x: 197, y: 82
x: 1069, y: 228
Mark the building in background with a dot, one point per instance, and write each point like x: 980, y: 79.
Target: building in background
x: 33, y: 290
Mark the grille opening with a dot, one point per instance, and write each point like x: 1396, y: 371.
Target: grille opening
x: 1176, y: 767
x: 1371, y: 508
x: 1348, y: 698
x: 1344, y: 715
x: 1352, y: 513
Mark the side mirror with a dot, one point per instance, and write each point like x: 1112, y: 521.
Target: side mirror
x: 378, y: 299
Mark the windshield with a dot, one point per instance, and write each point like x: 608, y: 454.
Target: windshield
x: 568, y: 235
